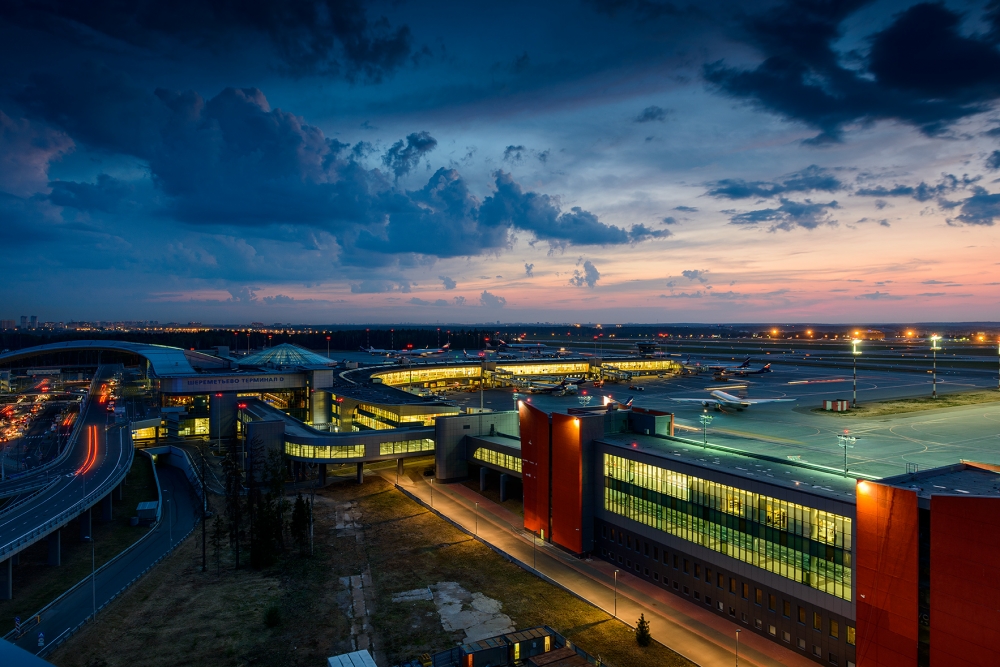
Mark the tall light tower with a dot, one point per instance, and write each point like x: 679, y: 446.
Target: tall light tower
x: 855, y: 352
x: 934, y: 347
x: 706, y: 419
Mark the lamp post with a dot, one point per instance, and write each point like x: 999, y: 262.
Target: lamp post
x: 616, y: 593
x: 477, y: 519
x: 706, y: 419
x: 327, y: 347
x: 737, y: 647
x: 855, y: 352
x: 934, y: 348
x: 846, y: 442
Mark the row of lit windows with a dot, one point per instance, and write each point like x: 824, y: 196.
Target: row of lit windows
x: 802, y: 559
x: 406, y: 446
x: 498, y: 459
x: 426, y: 420
x: 792, y: 518
x: 324, y: 451
x: 427, y: 374
x: 649, y: 566
x: 646, y: 365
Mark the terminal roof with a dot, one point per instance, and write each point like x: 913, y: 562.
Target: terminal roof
x: 285, y: 355
x: 792, y: 475
x: 966, y: 478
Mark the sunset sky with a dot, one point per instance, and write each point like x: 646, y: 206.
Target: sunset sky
x: 582, y: 161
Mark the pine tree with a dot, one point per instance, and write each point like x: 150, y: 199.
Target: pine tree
x: 300, y: 524
x: 642, y: 637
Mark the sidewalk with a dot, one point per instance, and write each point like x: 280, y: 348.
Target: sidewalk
x: 696, y: 633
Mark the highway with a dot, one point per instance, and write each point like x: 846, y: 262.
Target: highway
x: 179, y: 516
x: 98, y: 460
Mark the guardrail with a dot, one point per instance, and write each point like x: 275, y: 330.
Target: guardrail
x: 22, y: 501
x: 77, y: 508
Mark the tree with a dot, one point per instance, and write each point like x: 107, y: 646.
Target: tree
x: 642, y: 637
x: 300, y: 524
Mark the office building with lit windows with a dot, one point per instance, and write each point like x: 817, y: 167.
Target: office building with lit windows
x: 766, y: 543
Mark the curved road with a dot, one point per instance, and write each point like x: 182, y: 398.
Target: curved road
x: 67, y: 613
x: 97, y: 462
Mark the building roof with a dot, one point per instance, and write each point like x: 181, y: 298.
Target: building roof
x: 355, y: 659
x: 285, y: 355
x: 163, y: 359
x: 965, y: 478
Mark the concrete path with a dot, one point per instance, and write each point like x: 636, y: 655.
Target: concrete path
x: 695, y: 633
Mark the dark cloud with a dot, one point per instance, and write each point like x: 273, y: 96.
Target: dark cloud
x: 669, y: 220
x: 377, y: 286
x: 402, y: 157
x: 447, y: 282
x: 459, y: 300
x: 279, y: 300
x: 810, y: 179
x: 878, y: 296
x: 309, y: 36
x: 514, y: 154
x: 490, y: 300
x: 243, y: 294
x: 108, y: 194
x: 588, y: 277
x: 26, y: 149
x: 920, y: 70
x: 652, y: 113
x: 933, y: 294
x: 982, y: 208
x: 685, y: 209
x: 685, y: 295
x: 701, y: 275
x: 529, y: 270
x: 922, y: 192
x: 423, y: 302
x: 511, y: 206
x: 993, y: 161
x: 789, y: 215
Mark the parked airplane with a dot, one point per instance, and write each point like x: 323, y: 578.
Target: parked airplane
x: 721, y: 399
x: 556, y: 389
x: 742, y: 371
x: 408, y: 352
x: 529, y: 347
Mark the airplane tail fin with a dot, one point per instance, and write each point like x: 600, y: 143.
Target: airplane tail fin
x: 767, y: 367
x: 447, y: 346
x: 628, y: 403
x: 746, y: 363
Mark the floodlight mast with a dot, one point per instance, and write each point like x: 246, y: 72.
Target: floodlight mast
x: 934, y: 348
x: 855, y: 352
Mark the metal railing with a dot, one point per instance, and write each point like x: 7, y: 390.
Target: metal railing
x: 33, y: 535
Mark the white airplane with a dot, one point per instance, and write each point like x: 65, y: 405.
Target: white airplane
x: 409, y: 352
x: 561, y: 389
x: 721, y: 399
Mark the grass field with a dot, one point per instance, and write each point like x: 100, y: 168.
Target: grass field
x: 36, y: 583
x: 193, y: 618
x: 902, y: 406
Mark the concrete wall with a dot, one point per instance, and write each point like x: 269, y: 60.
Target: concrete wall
x: 451, y: 445
x: 222, y: 415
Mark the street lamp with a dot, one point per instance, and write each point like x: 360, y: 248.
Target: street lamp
x: 327, y: 347
x: 846, y: 442
x: 855, y: 352
x: 706, y: 419
x: 477, y: 514
x: 934, y: 347
x: 616, y: 593
x: 737, y: 647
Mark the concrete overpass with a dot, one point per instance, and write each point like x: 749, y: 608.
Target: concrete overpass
x: 89, y: 474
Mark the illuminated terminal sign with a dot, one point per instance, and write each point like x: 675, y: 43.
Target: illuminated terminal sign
x: 205, y: 383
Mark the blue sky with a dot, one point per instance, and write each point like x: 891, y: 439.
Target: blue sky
x: 618, y: 160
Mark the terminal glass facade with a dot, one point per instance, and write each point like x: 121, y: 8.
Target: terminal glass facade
x: 498, y: 458
x: 373, y: 417
x: 800, y: 543
x: 406, y: 446
x: 324, y: 452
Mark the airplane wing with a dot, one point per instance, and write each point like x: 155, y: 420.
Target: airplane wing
x: 755, y: 401
x: 707, y: 399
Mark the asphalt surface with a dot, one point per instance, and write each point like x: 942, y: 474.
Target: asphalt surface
x: 179, y: 517
x: 97, y: 456
x: 884, y: 445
